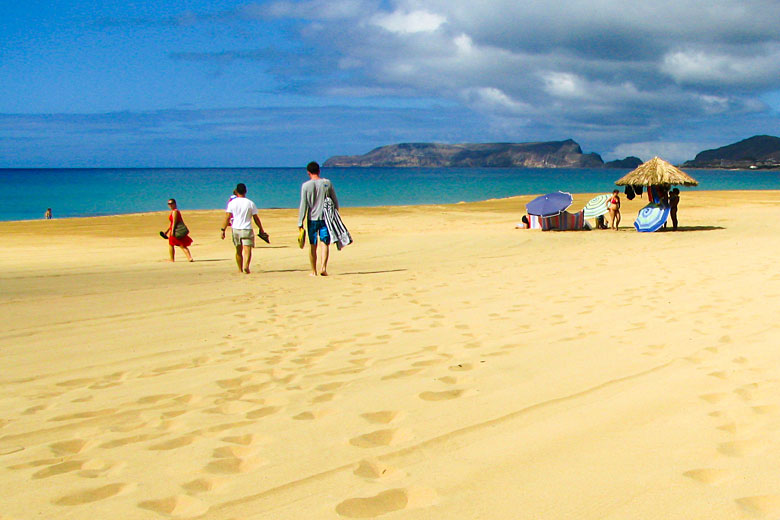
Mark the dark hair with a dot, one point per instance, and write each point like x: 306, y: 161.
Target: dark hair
x: 525, y: 219
x: 615, y: 191
x: 240, y: 189
x: 171, y: 201
x: 313, y: 167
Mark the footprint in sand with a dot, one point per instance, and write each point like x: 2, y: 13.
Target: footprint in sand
x: 131, y: 440
x: 428, y: 362
x: 177, y: 506
x: 323, y: 398
x: 374, y: 470
x: 234, y: 465
x: 386, y: 502
x: 383, y: 417
x: 765, y: 409
x: 248, y: 439
x: 94, y: 494
x: 445, y: 395
x: 173, y: 444
x: 59, y: 469
x: 761, y: 505
x: 263, y: 412
x: 205, y: 485
x: 402, y: 373
x: 311, y: 415
x: 714, y: 397
x: 234, y: 452
x: 388, y: 437
x: 709, y: 475
x: 71, y: 447
x: 152, y: 399
x: 742, y: 448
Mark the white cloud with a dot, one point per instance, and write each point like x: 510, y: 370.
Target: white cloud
x: 409, y: 22
x: 493, y: 99
x: 718, y: 67
x: 563, y: 84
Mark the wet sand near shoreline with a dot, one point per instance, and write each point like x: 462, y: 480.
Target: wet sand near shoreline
x: 450, y: 367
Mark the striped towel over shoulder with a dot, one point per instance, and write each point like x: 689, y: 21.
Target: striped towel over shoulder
x: 336, y: 229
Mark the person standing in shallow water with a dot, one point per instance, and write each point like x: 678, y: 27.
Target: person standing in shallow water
x: 674, y: 201
x: 313, y: 195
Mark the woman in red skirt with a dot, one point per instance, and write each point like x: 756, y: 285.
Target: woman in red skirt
x: 183, y: 241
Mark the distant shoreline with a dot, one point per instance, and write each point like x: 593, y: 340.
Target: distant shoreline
x: 347, y: 208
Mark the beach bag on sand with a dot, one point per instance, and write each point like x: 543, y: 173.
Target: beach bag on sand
x: 180, y: 231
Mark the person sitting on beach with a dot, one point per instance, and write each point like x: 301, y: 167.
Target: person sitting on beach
x: 613, y: 203
x: 674, y: 200
x: 523, y: 224
x: 184, y: 242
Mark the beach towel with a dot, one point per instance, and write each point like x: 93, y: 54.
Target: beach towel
x: 336, y: 229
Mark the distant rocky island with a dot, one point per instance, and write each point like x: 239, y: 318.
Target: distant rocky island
x: 552, y: 154
x: 757, y: 152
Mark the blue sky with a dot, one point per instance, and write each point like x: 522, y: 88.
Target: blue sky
x: 226, y: 83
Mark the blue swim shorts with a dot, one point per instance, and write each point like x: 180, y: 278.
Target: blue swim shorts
x: 317, y: 229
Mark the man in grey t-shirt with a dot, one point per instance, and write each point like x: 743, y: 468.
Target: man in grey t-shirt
x: 313, y: 195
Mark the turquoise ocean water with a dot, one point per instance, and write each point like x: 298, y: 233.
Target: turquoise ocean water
x: 26, y: 193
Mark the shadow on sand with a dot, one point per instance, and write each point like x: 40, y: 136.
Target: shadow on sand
x: 371, y: 272
x: 691, y: 228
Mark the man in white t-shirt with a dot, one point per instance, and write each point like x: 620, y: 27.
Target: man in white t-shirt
x: 242, y: 211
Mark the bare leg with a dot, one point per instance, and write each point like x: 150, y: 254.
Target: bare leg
x: 247, y: 258
x: 313, y: 259
x: 171, y: 252
x: 187, y: 252
x: 239, y: 259
x: 617, y: 216
x: 324, y: 253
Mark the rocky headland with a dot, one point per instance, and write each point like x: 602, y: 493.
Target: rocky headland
x: 553, y: 154
x: 757, y: 152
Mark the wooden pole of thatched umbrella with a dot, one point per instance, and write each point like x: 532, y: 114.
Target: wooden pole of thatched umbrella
x: 657, y: 172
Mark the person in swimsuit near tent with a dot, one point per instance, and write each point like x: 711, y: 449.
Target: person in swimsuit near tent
x: 613, y: 203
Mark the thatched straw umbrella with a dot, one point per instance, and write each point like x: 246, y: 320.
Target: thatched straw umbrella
x: 657, y: 172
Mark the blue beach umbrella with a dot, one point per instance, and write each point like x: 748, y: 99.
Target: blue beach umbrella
x: 550, y: 204
x: 651, y: 217
x: 596, y: 206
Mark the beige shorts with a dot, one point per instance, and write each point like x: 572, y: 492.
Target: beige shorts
x: 243, y: 237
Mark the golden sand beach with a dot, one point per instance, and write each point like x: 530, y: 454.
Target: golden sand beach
x: 451, y: 367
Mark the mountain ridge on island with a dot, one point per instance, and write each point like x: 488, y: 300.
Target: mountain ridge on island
x: 550, y: 154
x: 757, y: 152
